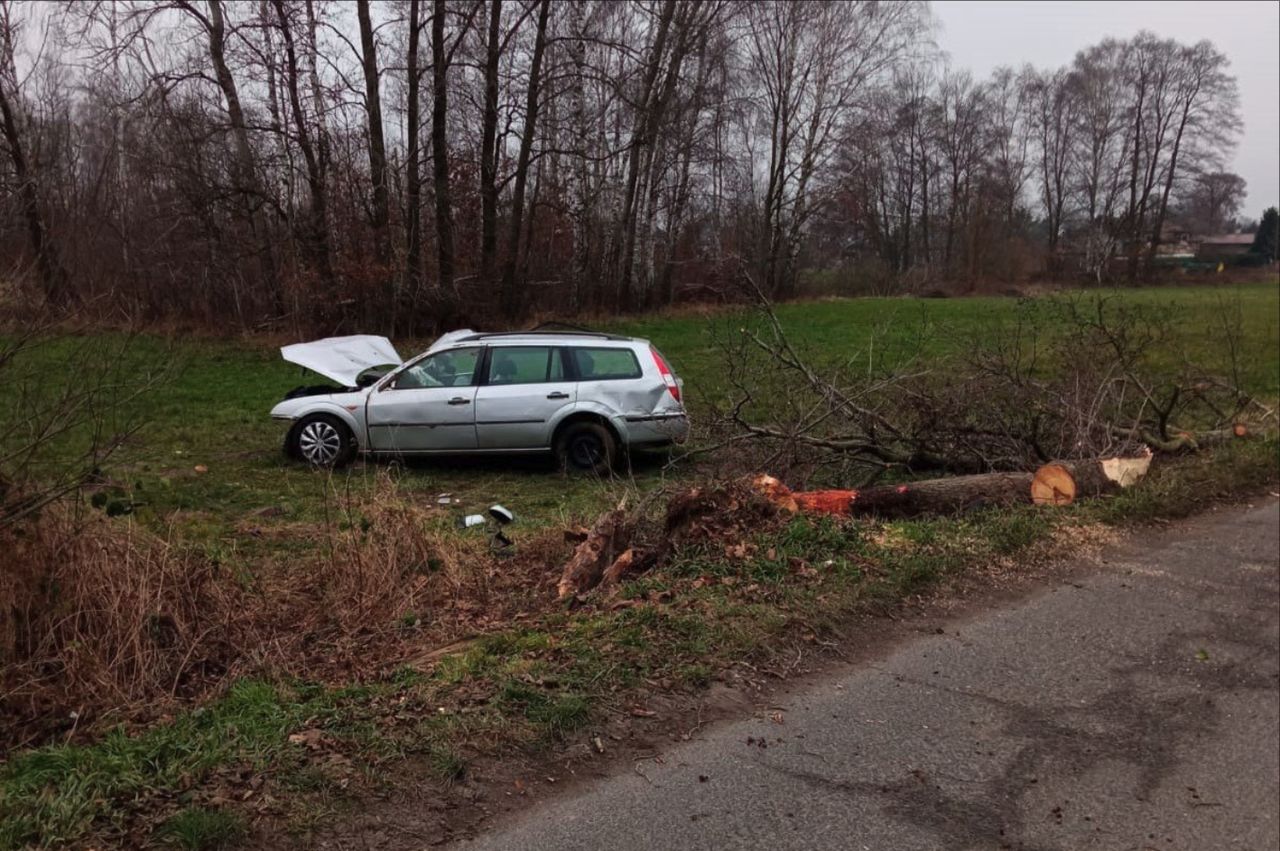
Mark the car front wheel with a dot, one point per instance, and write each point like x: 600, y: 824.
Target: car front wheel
x: 586, y: 447
x: 321, y: 441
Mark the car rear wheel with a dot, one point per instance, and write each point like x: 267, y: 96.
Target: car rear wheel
x: 321, y: 441
x: 586, y: 447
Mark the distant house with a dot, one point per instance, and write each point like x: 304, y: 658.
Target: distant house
x: 1224, y: 246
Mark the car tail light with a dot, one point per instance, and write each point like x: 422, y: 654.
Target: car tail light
x: 667, y: 375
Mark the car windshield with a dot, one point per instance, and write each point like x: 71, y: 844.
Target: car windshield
x: 453, y: 368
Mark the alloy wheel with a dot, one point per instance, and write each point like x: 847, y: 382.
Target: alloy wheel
x: 319, y: 443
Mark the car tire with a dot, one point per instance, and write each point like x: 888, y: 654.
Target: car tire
x: 586, y: 447
x: 321, y: 440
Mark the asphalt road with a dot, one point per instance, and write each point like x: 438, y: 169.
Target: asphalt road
x: 1136, y: 706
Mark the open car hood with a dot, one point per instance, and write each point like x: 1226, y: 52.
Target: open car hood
x: 342, y: 359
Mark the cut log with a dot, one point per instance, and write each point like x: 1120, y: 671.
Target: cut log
x: 824, y: 502
x: 776, y: 492
x: 1063, y: 482
x: 952, y: 495
x: 608, y: 538
x: 1052, y: 484
x: 1059, y: 483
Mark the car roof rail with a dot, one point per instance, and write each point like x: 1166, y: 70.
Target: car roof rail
x: 563, y: 326
x: 599, y: 335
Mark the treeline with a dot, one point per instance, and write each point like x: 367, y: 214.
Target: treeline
x: 413, y: 164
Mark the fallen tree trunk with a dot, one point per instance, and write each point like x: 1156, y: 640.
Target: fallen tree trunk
x: 1060, y: 483
x: 952, y: 495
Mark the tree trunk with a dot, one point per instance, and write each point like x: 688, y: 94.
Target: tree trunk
x: 377, y: 147
x: 641, y: 136
x: 510, y: 294
x: 246, y: 175
x: 440, y: 154
x: 413, y: 178
x: 53, y: 278
x: 489, y: 146
x: 1162, y: 209
x: 318, y: 229
x: 581, y: 193
x: 1056, y: 484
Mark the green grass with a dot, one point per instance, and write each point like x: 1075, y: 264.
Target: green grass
x: 199, y: 829
x: 53, y: 795
x: 534, y: 685
x: 210, y: 407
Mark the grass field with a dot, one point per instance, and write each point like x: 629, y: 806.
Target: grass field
x: 530, y: 684
x: 210, y: 404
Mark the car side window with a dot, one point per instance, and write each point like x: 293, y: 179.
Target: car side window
x: 524, y: 365
x: 452, y: 368
x: 601, y: 364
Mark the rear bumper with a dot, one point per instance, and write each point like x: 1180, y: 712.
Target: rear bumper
x: 657, y: 429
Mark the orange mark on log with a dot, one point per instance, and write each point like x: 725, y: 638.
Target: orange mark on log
x: 825, y: 502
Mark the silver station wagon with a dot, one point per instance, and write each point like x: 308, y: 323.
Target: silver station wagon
x: 584, y: 396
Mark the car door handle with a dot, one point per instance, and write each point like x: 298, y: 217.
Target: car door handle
x: 458, y: 400
x: 557, y: 395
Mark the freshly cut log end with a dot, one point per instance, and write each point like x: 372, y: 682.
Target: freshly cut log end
x: 825, y: 502
x: 1127, y: 472
x: 776, y: 492
x: 1053, y: 484
x: 1240, y: 430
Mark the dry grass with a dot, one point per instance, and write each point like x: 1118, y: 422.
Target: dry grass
x: 100, y: 615
x: 107, y: 621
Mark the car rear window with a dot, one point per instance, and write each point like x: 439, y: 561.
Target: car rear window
x: 601, y: 364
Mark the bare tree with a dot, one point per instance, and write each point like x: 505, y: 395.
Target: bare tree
x: 413, y: 177
x: 510, y: 296
x: 377, y: 147
x: 43, y: 249
x: 1204, y: 113
x: 1212, y: 201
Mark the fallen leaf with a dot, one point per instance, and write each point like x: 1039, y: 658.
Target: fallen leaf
x: 310, y: 738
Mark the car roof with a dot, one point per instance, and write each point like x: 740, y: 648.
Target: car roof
x: 546, y: 337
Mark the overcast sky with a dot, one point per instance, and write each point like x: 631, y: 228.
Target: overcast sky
x: 982, y: 35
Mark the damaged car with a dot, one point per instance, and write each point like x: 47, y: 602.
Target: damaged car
x: 585, y: 396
